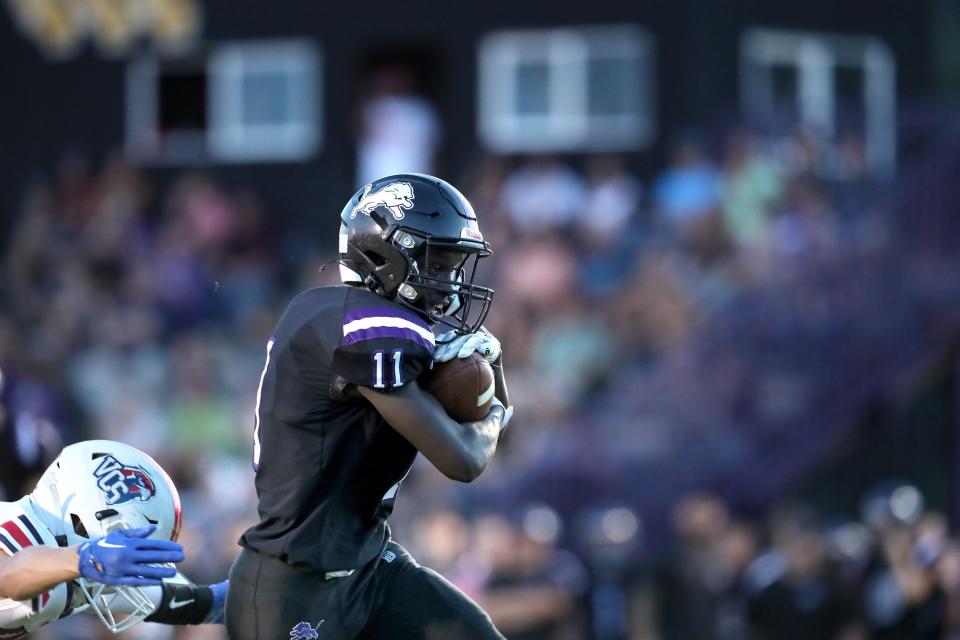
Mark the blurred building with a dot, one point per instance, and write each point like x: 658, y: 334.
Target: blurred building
x: 274, y: 99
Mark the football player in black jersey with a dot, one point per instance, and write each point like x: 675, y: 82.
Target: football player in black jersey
x: 340, y: 419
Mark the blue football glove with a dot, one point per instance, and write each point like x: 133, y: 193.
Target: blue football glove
x: 124, y: 557
x: 217, y: 609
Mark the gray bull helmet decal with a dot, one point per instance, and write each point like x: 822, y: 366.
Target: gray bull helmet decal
x: 395, y: 197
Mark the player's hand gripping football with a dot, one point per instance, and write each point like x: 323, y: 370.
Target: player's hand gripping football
x: 507, y: 413
x: 452, y: 345
x: 126, y: 557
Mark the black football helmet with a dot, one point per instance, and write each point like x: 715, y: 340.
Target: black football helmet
x: 410, y: 238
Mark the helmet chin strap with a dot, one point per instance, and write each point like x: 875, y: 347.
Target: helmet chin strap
x: 54, y: 522
x: 453, y: 307
x: 455, y: 302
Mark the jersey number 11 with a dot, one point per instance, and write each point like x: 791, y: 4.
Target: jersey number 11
x: 378, y: 357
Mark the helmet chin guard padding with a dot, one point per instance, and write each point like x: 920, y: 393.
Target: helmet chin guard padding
x: 414, y: 239
x: 96, y: 487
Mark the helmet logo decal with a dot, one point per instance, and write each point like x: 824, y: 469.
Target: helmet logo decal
x: 395, y: 197
x: 123, y: 483
x: 472, y: 234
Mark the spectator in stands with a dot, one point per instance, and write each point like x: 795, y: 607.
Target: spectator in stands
x: 903, y: 597
x: 588, y: 354
x: 753, y: 186
x: 795, y: 592
x: 690, y: 188
x: 533, y: 588
x: 613, y: 197
x: 948, y: 576
x: 399, y: 130
x: 543, y: 196
x: 610, y: 230
x: 657, y: 307
x: 686, y: 200
x: 692, y: 578
x: 803, y: 222
x: 28, y: 438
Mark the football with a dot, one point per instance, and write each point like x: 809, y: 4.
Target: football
x: 464, y: 386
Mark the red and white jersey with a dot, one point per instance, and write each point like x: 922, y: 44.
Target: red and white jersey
x: 20, y: 528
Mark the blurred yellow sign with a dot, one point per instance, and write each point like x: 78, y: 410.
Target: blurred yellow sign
x: 60, y: 27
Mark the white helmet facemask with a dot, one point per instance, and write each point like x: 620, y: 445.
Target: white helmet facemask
x: 118, y: 608
x: 99, y: 486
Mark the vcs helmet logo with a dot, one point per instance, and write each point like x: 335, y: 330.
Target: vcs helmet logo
x: 395, y: 197
x: 123, y: 483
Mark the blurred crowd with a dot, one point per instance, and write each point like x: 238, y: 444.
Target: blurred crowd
x: 658, y: 337
x: 618, y: 273
x: 894, y: 573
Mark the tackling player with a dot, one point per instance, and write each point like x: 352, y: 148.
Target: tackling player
x: 340, y: 419
x: 91, y: 538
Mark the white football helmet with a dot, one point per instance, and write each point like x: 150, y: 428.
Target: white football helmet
x: 95, y: 487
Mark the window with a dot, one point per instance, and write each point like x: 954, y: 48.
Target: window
x: 167, y: 110
x: 241, y: 102
x: 815, y: 78
x: 572, y: 89
x: 264, y: 102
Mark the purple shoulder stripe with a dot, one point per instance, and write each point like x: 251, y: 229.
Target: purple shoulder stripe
x: 372, y: 333
x: 380, y: 312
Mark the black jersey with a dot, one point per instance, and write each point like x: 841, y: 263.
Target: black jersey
x: 327, y: 465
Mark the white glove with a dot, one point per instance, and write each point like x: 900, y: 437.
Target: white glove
x: 507, y: 412
x: 450, y: 345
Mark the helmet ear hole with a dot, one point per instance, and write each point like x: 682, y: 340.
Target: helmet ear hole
x: 375, y: 258
x: 78, y: 527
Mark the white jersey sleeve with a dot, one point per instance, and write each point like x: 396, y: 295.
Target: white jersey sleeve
x: 20, y: 529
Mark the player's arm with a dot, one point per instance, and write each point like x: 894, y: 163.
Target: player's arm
x: 33, y: 570
x: 180, y: 602
x: 460, y: 451
x: 123, y: 557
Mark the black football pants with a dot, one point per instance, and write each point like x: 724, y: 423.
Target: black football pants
x: 392, y: 598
